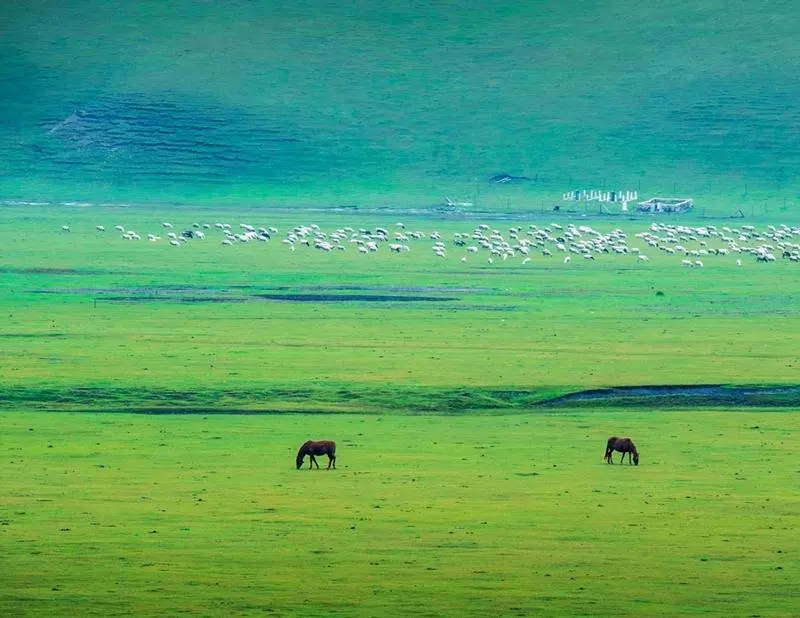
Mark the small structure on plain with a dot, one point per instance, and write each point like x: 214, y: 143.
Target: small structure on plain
x: 665, y: 205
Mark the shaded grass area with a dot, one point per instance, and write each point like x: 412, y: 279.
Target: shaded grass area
x: 347, y: 398
x: 680, y: 396
x: 425, y: 516
x: 392, y: 399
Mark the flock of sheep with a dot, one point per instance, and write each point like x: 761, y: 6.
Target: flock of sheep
x: 691, y: 244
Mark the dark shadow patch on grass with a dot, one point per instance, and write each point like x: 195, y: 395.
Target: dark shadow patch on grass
x: 393, y: 399
x: 212, y: 295
x: 369, y: 298
x: 372, y: 288
x: 335, y: 398
x: 681, y: 396
x: 186, y: 294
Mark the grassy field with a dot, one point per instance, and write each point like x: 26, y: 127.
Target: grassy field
x: 259, y: 326
x: 425, y: 516
x: 460, y: 490
x: 467, y: 485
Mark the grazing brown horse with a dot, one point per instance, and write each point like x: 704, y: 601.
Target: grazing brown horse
x: 624, y: 445
x: 321, y: 447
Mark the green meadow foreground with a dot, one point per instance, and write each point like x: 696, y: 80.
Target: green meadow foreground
x: 463, y: 486
x: 427, y: 515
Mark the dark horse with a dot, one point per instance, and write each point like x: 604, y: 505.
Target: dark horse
x: 321, y: 447
x: 624, y: 445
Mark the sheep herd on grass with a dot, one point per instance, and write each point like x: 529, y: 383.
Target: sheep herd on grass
x: 692, y: 246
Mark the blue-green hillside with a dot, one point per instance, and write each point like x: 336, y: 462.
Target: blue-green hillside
x: 399, y: 103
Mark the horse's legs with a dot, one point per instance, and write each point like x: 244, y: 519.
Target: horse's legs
x: 313, y: 462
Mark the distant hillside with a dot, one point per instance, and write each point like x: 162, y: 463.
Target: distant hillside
x: 398, y: 102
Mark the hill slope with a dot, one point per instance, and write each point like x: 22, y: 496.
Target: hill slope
x: 346, y: 102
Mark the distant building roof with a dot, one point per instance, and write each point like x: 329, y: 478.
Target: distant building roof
x: 665, y: 204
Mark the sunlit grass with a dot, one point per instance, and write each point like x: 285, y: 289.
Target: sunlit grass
x: 424, y: 516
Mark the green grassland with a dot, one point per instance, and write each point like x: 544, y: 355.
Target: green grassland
x: 425, y: 516
x: 461, y: 488
x: 200, y: 324
x: 466, y: 486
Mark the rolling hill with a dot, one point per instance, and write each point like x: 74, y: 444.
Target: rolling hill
x: 311, y: 102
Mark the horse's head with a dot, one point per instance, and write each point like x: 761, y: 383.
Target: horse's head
x: 636, y: 458
x: 299, y: 460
